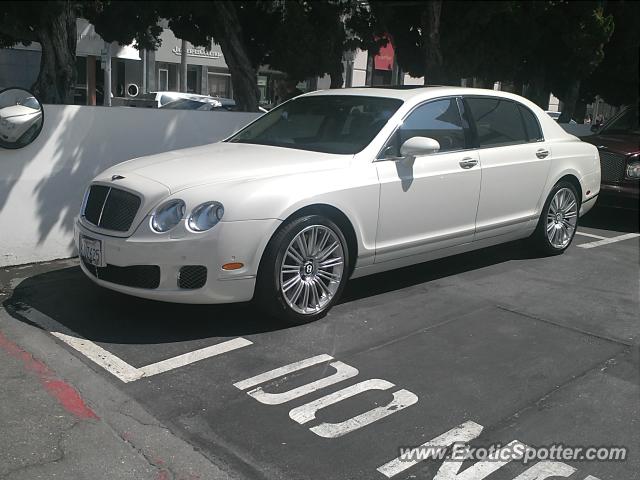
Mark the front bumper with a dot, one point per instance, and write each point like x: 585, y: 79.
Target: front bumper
x: 623, y: 195
x: 227, y: 242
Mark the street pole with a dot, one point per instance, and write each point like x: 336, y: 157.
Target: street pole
x: 107, y: 75
x: 144, y: 71
x: 183, y: 66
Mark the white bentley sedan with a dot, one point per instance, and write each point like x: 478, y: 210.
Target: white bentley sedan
x: 335, y: 185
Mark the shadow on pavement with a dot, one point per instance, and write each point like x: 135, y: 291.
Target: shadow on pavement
x: 613, y: 219
x: 102, y: 315
x: 429, y: 271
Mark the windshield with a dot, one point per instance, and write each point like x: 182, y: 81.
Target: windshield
x: 342, y: 124
x: 186, y: 104
x: 30, y: 102
x: 626, y: 122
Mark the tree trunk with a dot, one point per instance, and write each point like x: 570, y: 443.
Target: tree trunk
x: 57, y: 37
x: 434, y: 65
x: 336, y: 76
x: 580, y: 112
x: 570, y: 100
x: 243, y: 74
x: 537, y: 92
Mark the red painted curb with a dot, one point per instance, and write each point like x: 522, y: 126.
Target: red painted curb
x: 67, y: 396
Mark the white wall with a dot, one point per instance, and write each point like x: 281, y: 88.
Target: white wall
x: 41, y: 185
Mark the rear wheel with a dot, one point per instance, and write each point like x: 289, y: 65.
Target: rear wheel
x: 558, y: 220
x: 303, y: 270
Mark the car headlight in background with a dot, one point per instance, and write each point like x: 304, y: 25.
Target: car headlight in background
x: 167, y: 215
x: 205, y: 216
x: 633, y: 169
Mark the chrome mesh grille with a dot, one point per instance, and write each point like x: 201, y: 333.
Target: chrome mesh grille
x: 111, y: 208
x: 612, y: 166
x: 192, y: 277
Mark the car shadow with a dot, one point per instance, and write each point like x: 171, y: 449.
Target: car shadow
x: 613, y: 219
x: 102, y: 315
x: 436, y: 269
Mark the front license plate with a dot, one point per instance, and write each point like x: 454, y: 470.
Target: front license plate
x: 91, y: 251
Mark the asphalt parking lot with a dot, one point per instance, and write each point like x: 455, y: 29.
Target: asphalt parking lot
x: 497, y: 345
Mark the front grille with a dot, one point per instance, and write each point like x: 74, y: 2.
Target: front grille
x: 111, y: 208
x: 192, y: 277
x: 137, y: 276
x: 612, y: 166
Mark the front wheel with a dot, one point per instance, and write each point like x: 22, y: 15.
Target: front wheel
x: 303, y: 270
x: 558, y: 220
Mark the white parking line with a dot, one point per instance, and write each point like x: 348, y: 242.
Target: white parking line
x: 463, y: 433
x: 607, y: 241
x: 591, y: 235
x: 115, y: 365
x: 107, y: 360
x: 195, y: 356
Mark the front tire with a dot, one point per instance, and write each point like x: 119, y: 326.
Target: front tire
x: 304, y: 270
x: 558, y: 221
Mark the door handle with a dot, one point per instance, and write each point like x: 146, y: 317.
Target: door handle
x: 542, y: 153
x: 468, y: 162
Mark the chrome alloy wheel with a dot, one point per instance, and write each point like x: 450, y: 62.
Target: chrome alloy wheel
x: 562, y: 218
x: 311, y: 269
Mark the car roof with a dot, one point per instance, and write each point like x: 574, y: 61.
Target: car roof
x: 420, y: 92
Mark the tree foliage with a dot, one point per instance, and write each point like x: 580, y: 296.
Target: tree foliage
x: 53, y: 25
x: 546, y: 46
x: 616, y: 78
x: 125, y: 22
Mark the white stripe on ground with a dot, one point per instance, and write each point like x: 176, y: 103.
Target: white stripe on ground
x: 591, y: 235
x: 462, y: 433
x: 115, y: 365
x: 100, y: 356
x: 112, y: 364
x: 195, y: 356
x: 282, y: 371
x: 607, y: 241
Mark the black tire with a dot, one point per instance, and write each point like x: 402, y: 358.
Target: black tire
x: 268, y: 294
x: 539, y: 239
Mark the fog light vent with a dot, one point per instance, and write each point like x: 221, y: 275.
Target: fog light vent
x: 191, y: 277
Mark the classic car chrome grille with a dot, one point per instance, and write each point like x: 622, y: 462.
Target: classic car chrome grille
x: 612, y: 166
x: 111, y: 208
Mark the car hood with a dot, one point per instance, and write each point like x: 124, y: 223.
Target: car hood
x: 625, y: 144
x: 223, y: 162
x: 16, y: 111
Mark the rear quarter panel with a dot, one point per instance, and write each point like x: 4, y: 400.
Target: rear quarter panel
x: 572, y: 156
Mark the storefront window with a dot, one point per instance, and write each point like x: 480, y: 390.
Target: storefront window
x: 80, y: 86
x: 219, y: 85
x: 193, y: 79
x: 163, y: 80
x: 262, y: 87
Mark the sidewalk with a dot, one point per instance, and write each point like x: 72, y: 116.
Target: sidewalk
x: 49, y: 432
x: 61, y: 419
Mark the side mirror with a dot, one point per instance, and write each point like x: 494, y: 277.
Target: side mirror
x: 417, y: 146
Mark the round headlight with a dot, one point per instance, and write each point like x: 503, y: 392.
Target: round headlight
x: 633, y: 169
x: 205, y: 216
x: 167, y: 215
